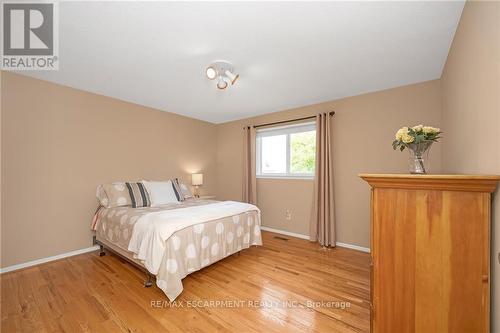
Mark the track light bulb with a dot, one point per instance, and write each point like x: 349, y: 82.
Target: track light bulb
x: 231, y: 76
x: 211, y: 72
x: 221, y: 84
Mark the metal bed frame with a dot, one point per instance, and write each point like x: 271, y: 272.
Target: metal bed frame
x: 149, y: 277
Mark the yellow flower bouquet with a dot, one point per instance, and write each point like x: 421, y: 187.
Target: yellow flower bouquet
x: 418, y: 139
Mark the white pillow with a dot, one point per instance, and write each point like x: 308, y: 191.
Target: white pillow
x: 160, y: 193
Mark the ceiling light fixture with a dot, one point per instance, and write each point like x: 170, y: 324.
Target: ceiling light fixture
x: 224, y: 72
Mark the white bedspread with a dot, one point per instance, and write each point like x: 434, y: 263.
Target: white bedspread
x: 152, y: 230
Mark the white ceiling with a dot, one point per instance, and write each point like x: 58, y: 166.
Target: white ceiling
x: 288, y: 54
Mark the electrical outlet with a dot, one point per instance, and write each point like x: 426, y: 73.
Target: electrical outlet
x: 288, y: 215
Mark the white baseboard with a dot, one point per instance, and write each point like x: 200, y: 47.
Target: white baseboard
x: 353, y: 247
x: 44, y: 260
x: 287, y: 233
x: 293, y: 234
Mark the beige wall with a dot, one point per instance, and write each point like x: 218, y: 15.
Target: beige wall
x: 363, y: 131
x: 1, y: 224
x: 471, y: 111
x: 58, y: 143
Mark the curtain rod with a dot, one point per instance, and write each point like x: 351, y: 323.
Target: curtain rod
x: 331, y: 113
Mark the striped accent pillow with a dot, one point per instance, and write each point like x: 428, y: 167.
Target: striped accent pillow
x: 138, y: 195
x: 177, y: 189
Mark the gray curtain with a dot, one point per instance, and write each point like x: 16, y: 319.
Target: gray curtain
x: 322, y: 226
x: 249, y: 178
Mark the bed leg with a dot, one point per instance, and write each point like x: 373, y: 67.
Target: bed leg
x: 101, y: 253
x: 149, y: 280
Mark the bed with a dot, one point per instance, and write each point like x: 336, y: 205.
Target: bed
x: 174, y: 240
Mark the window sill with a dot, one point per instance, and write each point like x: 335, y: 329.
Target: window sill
x: 286, y: 177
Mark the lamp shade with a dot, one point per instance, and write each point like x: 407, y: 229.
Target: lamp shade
x: 197, y: 179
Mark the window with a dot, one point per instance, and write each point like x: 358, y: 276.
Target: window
x: 286, y: 151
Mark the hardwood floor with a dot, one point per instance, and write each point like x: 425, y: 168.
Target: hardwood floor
x: 105, y: 294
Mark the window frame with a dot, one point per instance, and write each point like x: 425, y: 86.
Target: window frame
x: 281, y: 130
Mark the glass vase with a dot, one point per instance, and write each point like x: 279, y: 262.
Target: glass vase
x: 419, y: 157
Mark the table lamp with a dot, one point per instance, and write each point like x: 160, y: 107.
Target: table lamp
x: 197, y: 181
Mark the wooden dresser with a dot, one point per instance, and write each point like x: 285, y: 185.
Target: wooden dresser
x: 430, y: 252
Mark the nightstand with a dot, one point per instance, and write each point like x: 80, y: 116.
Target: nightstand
x: 207, y: 197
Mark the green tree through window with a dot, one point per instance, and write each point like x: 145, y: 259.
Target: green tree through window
x: 303, y: 152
